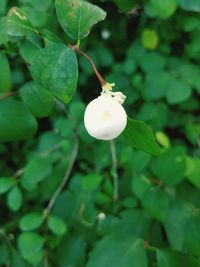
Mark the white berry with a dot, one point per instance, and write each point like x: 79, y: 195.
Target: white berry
x: 105, y: 118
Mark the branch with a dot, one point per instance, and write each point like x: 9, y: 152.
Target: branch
x: 76, y: 48
x: 114, y: 170
x: 65, y: 179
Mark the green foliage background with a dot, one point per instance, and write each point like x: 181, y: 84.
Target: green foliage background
x: 151, y: 50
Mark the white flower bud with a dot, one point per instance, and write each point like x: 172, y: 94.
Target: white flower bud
x: 105, y: 118
x: 119, y: 100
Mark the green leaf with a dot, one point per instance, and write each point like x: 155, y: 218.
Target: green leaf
x: 91, y: 181
x: 3, y: 6
x: 156, y: 202
x: 170, y: 167
x: 164, y: 9
x: 172, y: 258
x: 35, y: 171
x: 177, y: 91
x: 121, y: 251
x: 55, y: 67
x: 193, y: 170
x: 71, y: 251
x: 192, y: 5
x: 3, y: 32
x: 5, y: 184
x: 16, y: 121
x: 77, y: 17
x: 28, y: 50
x: 56, y: 225
x: 31, y: 221
x: 14, y: 199
x: 30, y: 245
x: 155, y: 85
x: 150, y: 39
x: 139, y: 135
x: 182, y: 227
x: 5, y: 74
x: 18, y: 23
x: 38, y: 99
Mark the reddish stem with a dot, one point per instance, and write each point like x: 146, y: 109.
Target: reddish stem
x: 77, y: 49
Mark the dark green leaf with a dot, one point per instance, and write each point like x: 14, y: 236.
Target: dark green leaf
x: 170, y: 167
x: 139, y: 135
x: 35, y: 171
x: 38, y: 99
x: 77, y: 17
x: 177, y: 91
x: 172, y: 258
x: 3, y: 32
x: 14, y: 199
x: 5, y: 74
x: 91, y: 181
x: 55, y: 68
x: 16, y: 121
x: 30, y: 245
x: 121, y: 251
x: 71, y: 251
x: 182, y: 227
x: 156, y: 202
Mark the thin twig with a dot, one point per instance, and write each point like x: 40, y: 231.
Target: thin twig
x: 76, y: 48
x: 114, y: 170
x: 7, y: 95
x: 65, y: 179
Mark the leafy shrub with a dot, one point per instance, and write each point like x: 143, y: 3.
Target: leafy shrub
x: 66, y: 198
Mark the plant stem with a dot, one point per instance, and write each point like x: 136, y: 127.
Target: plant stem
x: 99, y: 77
x: 7, y: 95
x: 114, y: 170
x: 65, y: 179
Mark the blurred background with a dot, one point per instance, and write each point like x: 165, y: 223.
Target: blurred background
x: 151, y: 50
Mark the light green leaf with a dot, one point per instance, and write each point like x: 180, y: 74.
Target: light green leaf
x: 191, y: 5
x: 121, y: 251
x: 164, y: 9
x: 35, y: 171
x: 77, y: 17
x: 38, y: 99
x: 172, y: 258
x: 56, y: 225
x: 139, y: 135
x: 150, y: 39
x: 170, y: 167
x: 5, y: 74
x: 16, y: 121
x: 5, y: 184
x: 31, y: 221
x: 55, y: 67
x: 18, y: 23
x: 30, y: 245
x: 14, y: 199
